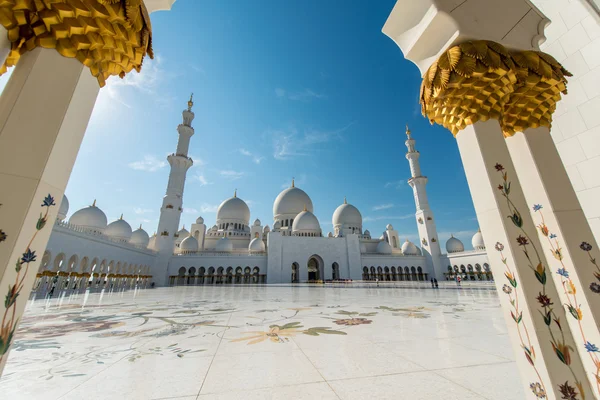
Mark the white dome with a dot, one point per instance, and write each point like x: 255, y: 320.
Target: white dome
x: 291, y: 202
x: 453, y: 245
x: 384, y: 247
x: 477, y: 241
x: 189, y: 244
x: 409, y: 249
x: 183, y: 232
x: 139, y: 237
x: 233, y: 209
x: 367, y: 233
x: 347, y: 215
x: 389, y: 227
x: 256, y: 246
x: 224, y: 244
x: 266, y: 229
x: 64, y: 208
x: 118, y: 229
x: 90, y: 217
x: 306, y: 222
x: 200, y: 220
x: 257, y: 222
x: 277, y: 225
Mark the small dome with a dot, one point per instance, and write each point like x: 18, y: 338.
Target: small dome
x: 118, y: 229
x: 224, y: 244
x: 306, y: 222
x: 389, y: 227
x: 291, y: 202
x: 183, y: 232
x: 347, y: 215
x: 200, y: 220
x: 453, y: 245
x: 363, y: 248
x: 330, y: 234
x: 409, y: 249
x: 257, y: 222
x: 367, y: 233
x: 64, y: 208
x: 256, y: 246
x: 189, y: 244
x: 277, y: 225
x: 214, y: 228
x: 90, y: 217
x: 233, y: 209
x: 384, y: 247
x: 140, y: 237
x: 266, y: 229
x: 477, y: 241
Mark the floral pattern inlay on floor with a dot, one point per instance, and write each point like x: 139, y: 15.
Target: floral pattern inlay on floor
x: 180, y: 342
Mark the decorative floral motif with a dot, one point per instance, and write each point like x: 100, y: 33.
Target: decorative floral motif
x: 352, y: 321
x: 585, y: 246
x: 281, y: 334
x: 563, y: 272
x: 499, y: 246
x: 507, y: 289
x: 3, y: 236
x: 591, y: 348
x: 9, y: 320
x: 522, y: 240
x: 537, y: 207
x: 568, y: 392
x: 544, y: 300
x: 537, y: 390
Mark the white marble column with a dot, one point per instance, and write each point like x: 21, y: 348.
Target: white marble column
x: 566, y: 238
x: 44, y: 112
x: 540, y: 334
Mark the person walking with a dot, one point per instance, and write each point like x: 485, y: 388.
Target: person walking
x: 436, y: 283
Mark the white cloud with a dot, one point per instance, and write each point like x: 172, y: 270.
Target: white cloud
x: 383, y: 207
x: 209, y: 208
x: 388, y: 217
x: 189, y: 210
x: 303, y: 95
x: 202, y: 179
x: 290, y: 143
x: 255, y: 158
x: 231, y: 174
x: 198, y: 162
x: 139, y: 210
x: 150, y: 163
x: 395, y: 184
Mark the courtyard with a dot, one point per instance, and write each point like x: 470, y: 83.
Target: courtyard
x: 344, y: 341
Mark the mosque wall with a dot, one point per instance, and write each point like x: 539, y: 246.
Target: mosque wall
x: 467, y: 261
x: 285, y: 251
x: 573, y: 38
x: 406, y: 263
x: 216, y: 260
x: 68, y: 242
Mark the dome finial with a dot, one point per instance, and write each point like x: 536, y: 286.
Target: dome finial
x: 140, y: 226
x: 121, y: 216
x: 408, y: 132
x: 94, y: 203
x: 345, y: 201
x: 235, y: 193
x: 305, y: 207
x: 452, y: 235
x: 293, y: 182
x: 191, y: 102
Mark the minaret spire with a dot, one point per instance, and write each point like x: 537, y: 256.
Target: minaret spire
x: 424, y: 215
x: 172, y: 207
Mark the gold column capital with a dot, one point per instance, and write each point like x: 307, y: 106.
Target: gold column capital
x: 110, y: 37
x: 481, y: 80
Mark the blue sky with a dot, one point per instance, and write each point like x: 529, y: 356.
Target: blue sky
x: 306, y: 89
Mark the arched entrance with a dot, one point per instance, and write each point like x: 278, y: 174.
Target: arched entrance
x: 315, y: 268
x: 335, y: 271
x: 295, y: 273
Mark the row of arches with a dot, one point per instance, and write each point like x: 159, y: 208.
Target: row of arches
x: 470, y: 272
x: 232, y: 225
x: 220, y: 275
x: 76, y: 273
x: 394, y: 274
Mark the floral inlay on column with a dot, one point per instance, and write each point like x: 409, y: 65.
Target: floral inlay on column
x: 569, y: 287
x: 9, y: 320
x: 534, y: 262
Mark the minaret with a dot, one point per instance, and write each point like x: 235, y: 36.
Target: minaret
x: 425, y: 223
x: 172, y: 207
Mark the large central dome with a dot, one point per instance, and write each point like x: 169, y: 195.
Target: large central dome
x: 291, y: 202
x: 233, y: 209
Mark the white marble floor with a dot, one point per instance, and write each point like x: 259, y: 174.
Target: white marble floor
x: 265, y: 342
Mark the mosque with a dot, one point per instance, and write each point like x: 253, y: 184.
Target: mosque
x: 86, y: 250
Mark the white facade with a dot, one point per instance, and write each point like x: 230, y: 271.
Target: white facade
x: 235, y: 252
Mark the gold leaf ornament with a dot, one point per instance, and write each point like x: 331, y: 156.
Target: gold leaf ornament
x: 110, y: 37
